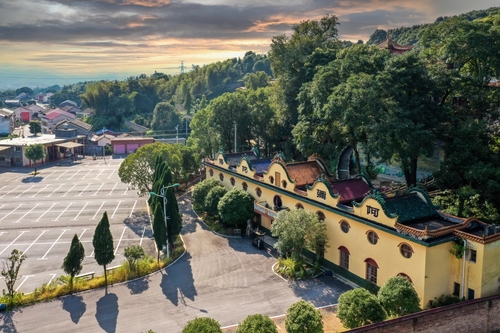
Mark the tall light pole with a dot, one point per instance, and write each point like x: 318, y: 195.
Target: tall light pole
x: 162, y: 195
x: 177, y: 135
x: 234, y: 122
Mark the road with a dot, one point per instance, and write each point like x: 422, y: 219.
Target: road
x: 225, y: 279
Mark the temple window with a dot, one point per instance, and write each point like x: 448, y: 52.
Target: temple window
x: 344, y: 226
x: 245, y: 186
x: 221, y: 177
x: 232, y: 181
x: 371, y: 270
x: 344, y: 257
x: 258, y: 191
x: 372, y: 237
x: 406, y: 250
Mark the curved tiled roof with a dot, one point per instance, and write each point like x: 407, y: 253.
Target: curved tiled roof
x: 410, y: 207
x: 304, y: 173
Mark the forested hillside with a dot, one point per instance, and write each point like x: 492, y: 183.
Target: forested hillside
x: 411, y: 35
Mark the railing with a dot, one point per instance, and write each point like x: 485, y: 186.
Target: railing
x: 261, y: 208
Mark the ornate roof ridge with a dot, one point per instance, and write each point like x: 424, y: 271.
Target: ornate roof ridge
x: 377, y: 196
x: 321, y: 179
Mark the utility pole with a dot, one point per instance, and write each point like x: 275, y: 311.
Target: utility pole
x: 234, y: 122
x: 177, y: 135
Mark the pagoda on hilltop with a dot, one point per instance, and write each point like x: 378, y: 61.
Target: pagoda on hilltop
x: 393, y: 47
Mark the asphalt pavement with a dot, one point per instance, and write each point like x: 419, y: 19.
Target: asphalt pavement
x: 225, y: 279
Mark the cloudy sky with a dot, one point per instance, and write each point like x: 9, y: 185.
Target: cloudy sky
x: 62, y: 41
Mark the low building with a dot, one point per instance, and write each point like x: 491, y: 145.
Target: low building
x: 52, y: 117
x: 128, y: 145
x: 7, y: 121
x: 372, y: 237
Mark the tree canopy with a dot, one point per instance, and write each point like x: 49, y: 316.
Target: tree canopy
x: 72, y: 263
x: 398, y: 297
x: 103, y: 244
x: 202, y: 324
x: 257, y: 323
x: 236, y: 207
x: 359, y: 307
x: 35, y: 153
x: 302, y: 317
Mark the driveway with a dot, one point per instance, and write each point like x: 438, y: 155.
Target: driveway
x: 226, y: 279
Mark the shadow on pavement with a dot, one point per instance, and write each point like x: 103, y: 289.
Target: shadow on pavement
x: 137, y: 222
x: 7, y: 324
x: 107, y: 312
x: 75, y: 306
x: 319, y: 291
x: 138, y: 286
x: 178, y: 280
x: 30, y: 179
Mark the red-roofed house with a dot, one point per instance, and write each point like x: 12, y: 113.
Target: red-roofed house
x: 53, y: 117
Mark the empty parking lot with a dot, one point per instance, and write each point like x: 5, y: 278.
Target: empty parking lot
x: 39, y: 216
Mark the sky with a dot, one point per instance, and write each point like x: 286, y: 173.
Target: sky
x: 45, y: 42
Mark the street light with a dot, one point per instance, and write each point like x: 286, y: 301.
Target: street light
x: 177, y: 135
x: 162, y: 195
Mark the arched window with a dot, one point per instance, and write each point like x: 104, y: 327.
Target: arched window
x: 299, y: 206
x: 372, y: 237
x: 283, y: 183
x: 406, y: 250
x: 344, y: 257
x: 232, y: 181
x: 344, y: 226
x: 371, y: 270
x: 245, y: 186
x: 321, y: 215
x: 211, y: 172
x: 406, y: 276
x: 271, y: 179
x: 221, y: 177
x: 277, y: 201
x: 258, y: 191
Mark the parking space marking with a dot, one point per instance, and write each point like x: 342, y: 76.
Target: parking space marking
x: 22, y: 233
x: 84, y: 190
x: 82, y: 234
x: 63, y: 211
x: 40, y: 191
x: 99, y: 174
x: 45, y: 212
x: 74, y: 174
x: 69, y: 190
x: 99, y: 189
x: 25, y: 278
x: 3, y: 187
x: 112, y: 189
x: 91, y: 255
x: 80, y: 211
x: 49, y: 175
x: 124, y: 193
x: 10, y: 191
x: 135, y: 203
x: 118, y: 245
x: 25, y: 191
x: 55, y: 190
x: 3, y: 232
x: 44, y: 231
x: 52, y: 278
x: 12, y: 211
x: 87, y: 174
x: 26, y: 213
x: 98, y: 210
x: 111, y: 174
x: 119, y: 202
x: 142, y: 237
x: 3, y: 206
x: 43, y: 258
x: 61, y: 174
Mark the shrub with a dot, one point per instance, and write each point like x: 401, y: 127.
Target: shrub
x: 236, y: 207
x: 201, y: 190
x: 398, y: 297
x: 202, y: 325
x: 213, y: 198
x: 442, y: 301
x: 359, y: 307
x: 302, y: 317
x: 257, y: 323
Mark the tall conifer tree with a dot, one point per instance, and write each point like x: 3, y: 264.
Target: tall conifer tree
x: 72, y: 264
x: 159, y: 228
x: 103, y: 244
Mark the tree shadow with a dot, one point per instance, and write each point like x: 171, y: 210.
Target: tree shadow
x: 139, y: 223
x: 32, y: 179
x: 319, y: 291
x: 178, y: 280
x: 7, y: 324
x: 75, y: 306
x: 107, y: 312
x: 138, y: 286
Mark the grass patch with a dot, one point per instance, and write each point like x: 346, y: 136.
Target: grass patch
x: 292, y: 269
x: 60, y: 286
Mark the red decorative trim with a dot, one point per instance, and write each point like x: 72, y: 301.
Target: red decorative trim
x: 371, y: 262
x: 344, y: 249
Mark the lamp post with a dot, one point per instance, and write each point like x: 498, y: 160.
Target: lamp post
x: 177, y: 135
x: 162, y: 195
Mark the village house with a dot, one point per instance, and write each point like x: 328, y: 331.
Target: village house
x: 7, y: 121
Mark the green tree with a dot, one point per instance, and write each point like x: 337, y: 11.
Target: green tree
x: 165, y: 117
x: 174, y: 217
x: 159, y: 228
x: 302, y: 317
x: 203, y: 134
x: 257, y: 323
x: 359, y: 307
x: 297, y: 229
x: 10, y: 270
x: 201, y: 190
x: 213, y: 198
x: 35, y: 153
x: 133, y: 253
x: 256, y: 80
x: 72, y: 264
x: 236, y: 207
x: 103, y: 244
x: 202, y: 325
x: 35, y: 127
x: 398, y: 297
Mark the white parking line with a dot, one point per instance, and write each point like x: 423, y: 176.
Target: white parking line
x: 80, y: 238
x: 43, y: 258
x: 84, y: 190
x: 135, y: 203
x: 26, y: 213
x: 22, y: 232
x: 111, y: 174
x: 62, y: 174
x: 69, y: 190
x: 11, y: 212
x: 3, y: 187
x: 143, y: 232
x: 98, y: 210
x: 3, y: 232
x: 49, y: 175
x: 25, y: 191
x: 38, y: 219
x: 3, y: 206
x: 55, y: 190
x: 52, y: 278
x: 91, y: 255
x: 112, y: 189
x: 87, y: 174
x: 124, y: 193
x: 63, y: 211
x: 99, y: 174
x: 74, y: 174
x: 40, y: 191
x: 25, y: 278
x: 44, y: 231
x: 118, y: 245
x: 119, y: 202
x: 99, y: 189
x: 80, y: 212
x: 10, y: 191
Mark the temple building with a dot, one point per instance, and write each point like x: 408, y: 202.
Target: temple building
x: 372, y: 237
x: 393, y: 47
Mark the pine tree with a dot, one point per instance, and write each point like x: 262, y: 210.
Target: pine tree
x: 159, y: 228
x: 174, y: 217
x: 103, y: 244
x: 72, y: 264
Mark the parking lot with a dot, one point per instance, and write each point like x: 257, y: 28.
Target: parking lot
x: 40, y: 215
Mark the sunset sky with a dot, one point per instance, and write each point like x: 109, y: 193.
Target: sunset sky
x: 46, y: 42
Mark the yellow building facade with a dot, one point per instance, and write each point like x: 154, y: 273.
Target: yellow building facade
x: 371, y: 237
